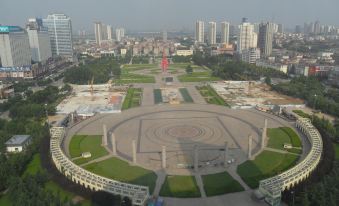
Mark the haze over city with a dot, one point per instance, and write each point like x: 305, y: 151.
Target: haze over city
x: 173, y: 14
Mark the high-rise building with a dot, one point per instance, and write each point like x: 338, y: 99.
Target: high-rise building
x: 225, y: 32
x: 109, y: 32
x: 119, y: 34
x: 14, y: 47
x: 102, y: 32
x: 250, y: 55
x: 298, y: 29
x: 200, y: 32
x: 60, y: 32
x: 39, y: 40
x: 164, y: 36
x: 317, y: 27
x: 265, y: 40
x: 247, y: 37
x: 212, y: 33
x: 280, y: 28
x: 98, y: 32
x: 275, y: 27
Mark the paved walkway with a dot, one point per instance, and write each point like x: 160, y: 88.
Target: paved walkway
x: 280, y: 151
x: 196, y: 96
x: 147, y: 96
x: 161, y: 176
x: 200, y: 185
x: 233, y: 172
x: 233, y: 199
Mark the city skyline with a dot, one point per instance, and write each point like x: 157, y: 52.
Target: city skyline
x: 149, y: 14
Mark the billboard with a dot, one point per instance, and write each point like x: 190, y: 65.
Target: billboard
x: 7, y: 29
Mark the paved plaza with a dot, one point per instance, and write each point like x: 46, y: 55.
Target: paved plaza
x: 193, y: 137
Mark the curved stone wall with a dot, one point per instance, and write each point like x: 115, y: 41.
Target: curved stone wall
x: 138, y: 194
x: 272, y: 187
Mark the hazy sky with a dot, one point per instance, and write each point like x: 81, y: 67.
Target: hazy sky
x: 170, y: 14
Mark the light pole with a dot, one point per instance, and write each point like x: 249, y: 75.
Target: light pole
x: 292, y: 192
x: 46, y: 110
x: 315, y: 101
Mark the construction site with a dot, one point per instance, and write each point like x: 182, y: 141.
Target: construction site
x: 251, y: 94
x: 87, y: 100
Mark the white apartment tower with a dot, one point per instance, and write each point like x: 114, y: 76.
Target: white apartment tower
x: 39, y: 40
x: 14, y: 47
x: 225, y: 32
x: 247, y: 37
x: 212, y: 33
x: 60, y: 32
x: 98, y: 32
x: 119, y: 34
x: 102, y: 32
x: 109, y: 33
x: 200, y: 32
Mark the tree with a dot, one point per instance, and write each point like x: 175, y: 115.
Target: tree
x: 268, y: 80
x: 189, y: 69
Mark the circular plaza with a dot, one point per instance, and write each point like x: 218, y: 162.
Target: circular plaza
x: 188, y: 150
x: 217, y: 135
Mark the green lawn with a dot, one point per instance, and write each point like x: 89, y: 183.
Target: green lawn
x: 211, y: 96
x: 157, y: 96
x: 302, y: 114
x: 119, y: 170
x: 5, y: 201
x: 34, y: 166
x: 281, y: 135
x: 266, y: 164
x: 139, y: 66
x: 185, y: 95
x: 220, y: 183
x: 129, y: 78
x: 336, y: 148
x: 86, y: 143
x: 180, y: 186
x: 198, y: 77
x: 132, y: 99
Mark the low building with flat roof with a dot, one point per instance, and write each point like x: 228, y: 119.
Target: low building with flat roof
x: 18, y: 143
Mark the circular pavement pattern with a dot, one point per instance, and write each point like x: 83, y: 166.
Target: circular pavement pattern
x: 180, y: 128
x: 182, y: 132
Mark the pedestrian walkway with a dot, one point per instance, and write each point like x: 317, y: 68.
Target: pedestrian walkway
x: 197, y: 98
x: 233, y: 172
x: 147, y: 96
x: 160, y: 181
x: 200, y: 185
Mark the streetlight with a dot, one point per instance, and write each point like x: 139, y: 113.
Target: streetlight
x: 46, y: 110
x: 292, y: 192
x: 315, y: 100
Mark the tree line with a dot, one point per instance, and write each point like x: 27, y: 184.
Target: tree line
x: 228, y: 68
x: 100, y: 70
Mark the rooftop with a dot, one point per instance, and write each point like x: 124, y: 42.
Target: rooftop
x: 17, y: 140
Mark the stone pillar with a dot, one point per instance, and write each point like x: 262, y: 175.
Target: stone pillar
x: 163, y: 157
x: 250, y: 147
x: 264, y: 135
x: 134, y: 152
x: 196, y: 158
x: 225, y: 154
x: 104, y: 136
x: 114, y: 144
